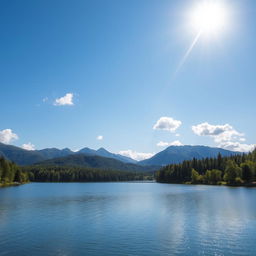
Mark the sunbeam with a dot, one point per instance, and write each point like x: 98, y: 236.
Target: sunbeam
x: 208, y: 19
x: 186, y: 55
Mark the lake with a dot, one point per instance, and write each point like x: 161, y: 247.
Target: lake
x: 127, y: 219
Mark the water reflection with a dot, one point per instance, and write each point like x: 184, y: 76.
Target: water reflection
x: 127, y: 219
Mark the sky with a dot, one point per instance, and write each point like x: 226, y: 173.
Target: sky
x: 131, y: 76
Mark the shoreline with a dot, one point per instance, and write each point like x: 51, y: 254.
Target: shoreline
x: 248, y: 185
x: 3, y: 185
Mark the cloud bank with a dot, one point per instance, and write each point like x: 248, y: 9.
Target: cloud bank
x: 219, y: 132
x: 225, y: 135
x: 237, y: 146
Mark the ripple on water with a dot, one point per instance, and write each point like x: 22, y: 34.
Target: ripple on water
x: 127, y: 219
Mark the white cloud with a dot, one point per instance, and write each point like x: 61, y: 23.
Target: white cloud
x: 135, y: 155
x: 100, y: 137
x: 165, y: 144
x: 205, y: 129
x: 220, y: 133
x: 65, y: 100
x: 177, y: 135
x: 28, y: 146
x: 237, y: 146
x: 6, y: 136
x: 225, y: 135
x: 167, y: 124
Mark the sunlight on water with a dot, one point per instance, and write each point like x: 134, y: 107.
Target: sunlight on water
x: 126, y: 219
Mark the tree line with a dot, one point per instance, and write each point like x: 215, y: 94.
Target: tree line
x: 39, y: 173
x: 233, y: 170
x: 10, y: 173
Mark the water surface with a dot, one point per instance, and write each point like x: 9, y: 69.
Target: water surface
x: 127, y: 219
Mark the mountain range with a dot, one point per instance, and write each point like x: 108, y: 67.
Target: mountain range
x: 104, y: 153
x: 102, y: 158
x: 98, y: 162
x: 177, y: 154
x: 27, y: 157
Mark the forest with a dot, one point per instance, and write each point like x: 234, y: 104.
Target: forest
x: 11, y: 174
x: 39, y: 173
x: 238, y: 169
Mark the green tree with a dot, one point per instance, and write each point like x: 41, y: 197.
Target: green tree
x: 212, y: 176
x: 6, y: 172
x: 10, y: 172
x: 207, y: 177
x: 18, y: 176
x: 247, y: 171
x: 216, y: 176
x: 232, y: 172
x: 194, y: 176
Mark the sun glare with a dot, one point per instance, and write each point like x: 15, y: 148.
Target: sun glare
x: 209, y: 17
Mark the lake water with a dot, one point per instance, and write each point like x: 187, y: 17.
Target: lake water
x: 127, y: 219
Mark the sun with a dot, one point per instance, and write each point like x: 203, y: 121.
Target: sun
x: 206, y: 21
x: 209, y: 17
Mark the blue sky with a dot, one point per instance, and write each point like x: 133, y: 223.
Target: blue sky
x: 115, y: 64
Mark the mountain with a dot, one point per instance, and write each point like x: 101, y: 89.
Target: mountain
x: 103, y: 152
x: 27, y: 157
x: 20, y: 156
x: 87, y: 151
x: 94, y: 161
x: 125, y: 159
x: 49, y: 153
x: 177, y: 154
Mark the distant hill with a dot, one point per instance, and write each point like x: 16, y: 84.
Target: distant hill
x: 103, y: 152
x: 177, y: 154
x: 20, y: 156
x: 93, y: 161
x: 49, y: 153
x: 27, y: 157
